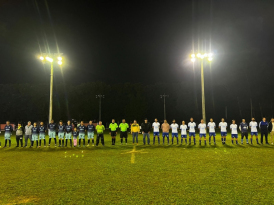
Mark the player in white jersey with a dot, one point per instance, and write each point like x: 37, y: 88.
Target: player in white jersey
x: 191, y: 126
x: 223, y: 126
x: 211, y: 127
x: 156, y: 130
x: 174, y: 130
x: 183, y: 129
x: 234, y: 132
x: 254, y: 131
x: 202, y: 129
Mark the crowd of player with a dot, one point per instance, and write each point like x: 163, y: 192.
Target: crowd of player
x: 36, y: 133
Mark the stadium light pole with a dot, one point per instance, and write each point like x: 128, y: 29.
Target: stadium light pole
x: 201, y: 57
x: 100, y: 97
x: 47, y: 57
x: 164, y: 96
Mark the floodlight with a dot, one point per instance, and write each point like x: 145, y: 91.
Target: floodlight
x: 49, y: 59
x: 60, y: 62
x: 210, y: 55
x: 192, y: 55
x: 210, y: 58
x: 198, y: 55
x: 193, y: 60
x: 59, y: 58
x: 41, y: 58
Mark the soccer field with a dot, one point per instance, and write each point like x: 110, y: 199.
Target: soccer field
x: 239, y: 174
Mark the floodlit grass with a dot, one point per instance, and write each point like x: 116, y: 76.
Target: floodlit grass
x: 147, y: 175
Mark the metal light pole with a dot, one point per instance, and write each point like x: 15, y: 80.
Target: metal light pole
x: 100, y: 97
x: 202, y: 57
x: 164, y: 96
x: 50, y: 58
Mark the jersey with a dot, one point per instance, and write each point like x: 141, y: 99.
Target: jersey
x: 90, y: 128
x: 82, y: 129
x: 174, y: 127
x: 191, y: 126
x: 42, y: 129
x: 233, y: 128
x: 202, y: 127
x: 113, y: 127
x: 35, y: 130
x: 75, y: 134
x: 61, y: 128
x: 223, y: 126
x: 211, y: 126
x: 8, y: 129
x: 253, y: 126
x: 123, y: 127
x: 156, y: 126
x: 100, y: 129
x: 183, y: 129
x: 68, y: 128
x: 52, y: 127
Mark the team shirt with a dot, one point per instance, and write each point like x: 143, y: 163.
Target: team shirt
x: 61, y: 128
x: 68, y: 128
x: 52, y: 127
x: 75, y: 134
x: 202, y: 127
x: 183, y: 129
x: 35, y: 130
x: 191, y: 126
x: 233, y: 128
x: 211, y: 126
x: 90, y: 128
x: 253, y: 126
x: 223, y: 126
x: 113, y: 127
x: 123, y: 127
x: 8, y: 129
x: 243, y: 127
x: 156, y: 126
x: 42, y: 129
x: 82, y: 129
x: 174, y: 127
x: 100, y: 129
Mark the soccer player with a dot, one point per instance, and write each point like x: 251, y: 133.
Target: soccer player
x: 19, y: 134
x: 202, y: 129
x: 42, y: 134
x: 146, y: 127
x: 90, y: 130
x: 113, y: 131
x: 100, y: 133
x: 68, y: 130
x: 8, y: 131
x: 264, y: 130
x: 123, y: 130
x: 61, y: 129
x: 174, y: 130
x: 34, y: 136
x: 223, y: 126
x: 156, y: 131
x: 211, y: 127
x: 135, y: 129
x: 234, y: 132
x: 165, y: 128
x: 183, y: 129
x: 191, y: 126
x: 82, y: 133
x: 244, y: 131
x: 75, y: 135
x: 253, y: 126
x: 52, y: 131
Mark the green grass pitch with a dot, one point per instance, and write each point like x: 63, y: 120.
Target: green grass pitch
x: 158, y: 174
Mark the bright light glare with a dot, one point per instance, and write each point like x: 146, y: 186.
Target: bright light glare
x: 202, y: 56
x: 198, y: 55
x: 193, y: 60
x: 41, y: 58
x: 192, y: 55
x: 60, y: 62
x: 210, y: 58
x: 210, y: 55
x: 49, y: 59
x: 205, y: 55
x: 59, y: 58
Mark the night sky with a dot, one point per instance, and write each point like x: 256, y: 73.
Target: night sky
x: 141, y: 41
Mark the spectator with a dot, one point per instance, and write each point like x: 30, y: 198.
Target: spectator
x: 146, y: 131
x: 28, y: 133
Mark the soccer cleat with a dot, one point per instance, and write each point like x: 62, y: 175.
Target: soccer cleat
x: 49, y: 145
x: 88, y: 145
x: 55, y: 145
x: 247, y: 143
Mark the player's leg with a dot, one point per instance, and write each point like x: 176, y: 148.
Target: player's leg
x: 266, y: 137
x: 103, y: 140
x: 125, y: 134
x: 189, y: 135
x: 163, y: 135
x: 236, y: 138
x: 176, y: 135
x: 232, y: 138
x: 121, y: 136
x: 200, y: 139
x: 246, y: 137
x: 205, y: 139
x: 148, y: 138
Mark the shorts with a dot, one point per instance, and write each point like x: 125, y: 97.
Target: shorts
x: 212, y: 134
x: 7, y: 136
x: 156, y: 134
x: 254, y: 133
x: 234, y: 135
x: 174, y: 134
x: 223, y: 134
x: 61, y: 136
x: 113, y: 133
x: 123, y: 134
x: 90, y: 135
x: 68, y: 136
x: 34, y: 137
x: 183, y: 136
x: 82, y: 135
x: 52, y: 134
x: 191, y: 134
x: 202, y: 135
x: 42, y: 136
x: 165, y: 134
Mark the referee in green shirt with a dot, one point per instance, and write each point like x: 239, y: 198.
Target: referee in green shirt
x: 123, y: 131
x: 113, y: 131
x: 100, y: 133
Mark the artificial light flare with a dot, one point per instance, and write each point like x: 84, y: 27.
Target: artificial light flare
x: 41, y: 58
x: 60, y: 62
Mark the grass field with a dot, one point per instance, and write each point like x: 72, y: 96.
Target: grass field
x: 241, y: 174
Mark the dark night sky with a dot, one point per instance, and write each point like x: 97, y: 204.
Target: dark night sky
x: 140, y: 41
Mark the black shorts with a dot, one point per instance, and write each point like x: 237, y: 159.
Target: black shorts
x: 113, y: 133
x: 123, y: 134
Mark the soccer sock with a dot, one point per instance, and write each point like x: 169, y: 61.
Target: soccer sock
x: 55, y: 140
x: 89, y: 141
x: 200, y: 141
x: 163, y: 140
x: 49, y: 140
x: 181, y: 140
x: 126, y: 140
x: 246, y: 140
x: 154, y: 140
x: 205, y: 142
x: 79, y: 142
x: 177, y: 140
x: 172, y: 139
x: 121, y: 140
x: 194, y: 140
x: 66, y: 142
x: 209, y: 139
x: 31, y: 143
x: 257, y: 140
x: 242, y: 140
x: 37, y: 143
x: 40, y: 141
x: 6, y: 142
x: 70, y: 142
x: 185, y: 140
x: 236, y: 141
x: 44, y: 142
x: 158, y: 140
x: 190, y: 140
x: 59, y: 142
x: 168, y: 140
x: 214, y: 139
x: 92, y: 141
x: 224, y: 139
x: 84, y: 142
x: 63, y: 142
x: 232, y: 141
x: 10, y: 142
